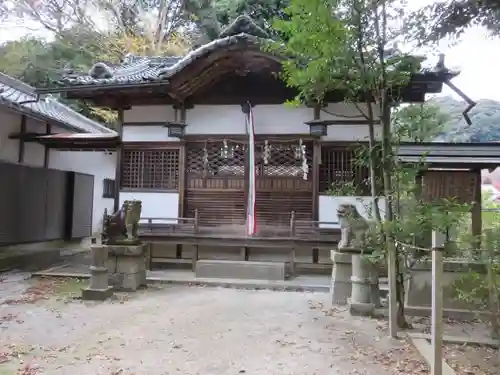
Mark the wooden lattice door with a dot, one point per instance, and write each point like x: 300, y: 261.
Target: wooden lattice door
x: 284, y: 182
x: 215, y: 182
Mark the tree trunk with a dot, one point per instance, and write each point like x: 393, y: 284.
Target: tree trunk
x: 388, y: 169
x: 373, y: 163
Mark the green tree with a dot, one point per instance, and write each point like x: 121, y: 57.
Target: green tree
x: 262, y: 12
x: 101, y: 21
x: 418, y: 123
x: 350, y: 46
x: 453, y: 17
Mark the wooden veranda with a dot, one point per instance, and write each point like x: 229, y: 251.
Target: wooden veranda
x: 188, y: 231
x: 292, y: 171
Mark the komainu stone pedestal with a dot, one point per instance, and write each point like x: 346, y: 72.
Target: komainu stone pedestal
x: 364, y: 298
x: 340, y: 287
x: 127, y: 266
x: 99, y: 289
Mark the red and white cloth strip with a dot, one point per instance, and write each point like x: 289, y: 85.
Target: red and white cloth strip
x: 251, y: 209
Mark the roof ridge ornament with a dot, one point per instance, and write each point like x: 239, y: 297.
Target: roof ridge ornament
x: 101, y: 70
x: 244, y: 25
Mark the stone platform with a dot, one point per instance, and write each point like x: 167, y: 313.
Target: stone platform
x: 126, y: 266
x: 229, y: 269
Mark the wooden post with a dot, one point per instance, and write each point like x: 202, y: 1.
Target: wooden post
x: 46, y: 151
x: 292, y: 224
x: 392, y: 276
x: 20, y: 156
x: 438, y: 239
x: 119, y: 162
x: 494, y: 303
x: 476, y: 225
x: 195, y: 256
x: 315, y: 175
x: 180, y: 116
x: 292, y: 250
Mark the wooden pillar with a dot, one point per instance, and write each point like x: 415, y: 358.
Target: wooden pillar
x: 20, y: 157
x: 315, y: 168
x: 180, y: 116
x: 315, y: 177
x: 437, y: 303
x: 46, y: 152
x: 477, y: 224
x: 119, y: 161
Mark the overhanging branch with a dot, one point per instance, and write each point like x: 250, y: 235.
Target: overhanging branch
x: 471, y: 103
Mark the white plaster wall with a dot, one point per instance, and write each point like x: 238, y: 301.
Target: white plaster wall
x: 328, y: 208
x: 97, y: 163
x: 146, y: 133
x: 215, y: 119
x: 281, y: 119
x: 149, y: 113
x: 155, y: 205
x: 228, y: 119
x: 34, y: 152
x: 348, y: 111
x: 10, y: 122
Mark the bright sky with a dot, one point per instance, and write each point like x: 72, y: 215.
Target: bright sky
x: 476, y: 56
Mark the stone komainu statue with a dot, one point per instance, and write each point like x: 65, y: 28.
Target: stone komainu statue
x: 121, y: 227
x: 353, y: 227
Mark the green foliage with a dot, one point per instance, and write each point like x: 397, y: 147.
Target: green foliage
x: 451, y: 18
x: 485, y: 118
x: 262, y: 12
x: 342, y: 189
x: 342, y: 45
x: 39, y: 63
x: 476, y: 288
x: 418, y: 123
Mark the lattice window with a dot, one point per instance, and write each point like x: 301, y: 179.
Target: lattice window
x: 150, y: 169
x: 283, y: 159
x: 216, y: 159
x: 339, y: 165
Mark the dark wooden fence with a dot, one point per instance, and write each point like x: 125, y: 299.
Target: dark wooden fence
x: 38, y: 204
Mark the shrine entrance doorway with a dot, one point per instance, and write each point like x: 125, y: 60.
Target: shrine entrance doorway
x: 284, y: 183
x: 217, y: 183
x: 216, y: 176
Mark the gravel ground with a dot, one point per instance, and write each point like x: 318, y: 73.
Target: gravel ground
x: 190, y: 330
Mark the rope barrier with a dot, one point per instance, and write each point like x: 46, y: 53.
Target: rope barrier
x: 430, y: 249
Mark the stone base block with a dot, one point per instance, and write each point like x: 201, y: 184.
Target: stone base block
x: 127, y: 267
x: 133, y: 281
x: 361, y: 309
x: 228, y: 269
x: 126, y: 250
x: 97, y: 294
x: 128, y: 282
x: 340, y: 288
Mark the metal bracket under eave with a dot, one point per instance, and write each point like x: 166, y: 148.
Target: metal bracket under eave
x: 471, y: 103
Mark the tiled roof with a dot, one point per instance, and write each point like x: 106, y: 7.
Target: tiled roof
x: 135, y: 70
x: 150, y: 69
x: 22, y: 97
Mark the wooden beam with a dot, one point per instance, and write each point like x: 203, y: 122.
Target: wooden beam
x: 27, y: 136
x: 46, y: 152
x: 119, y: 162
x: 20, y: 157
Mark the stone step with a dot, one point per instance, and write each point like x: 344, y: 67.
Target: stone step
x: 232, y: 269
